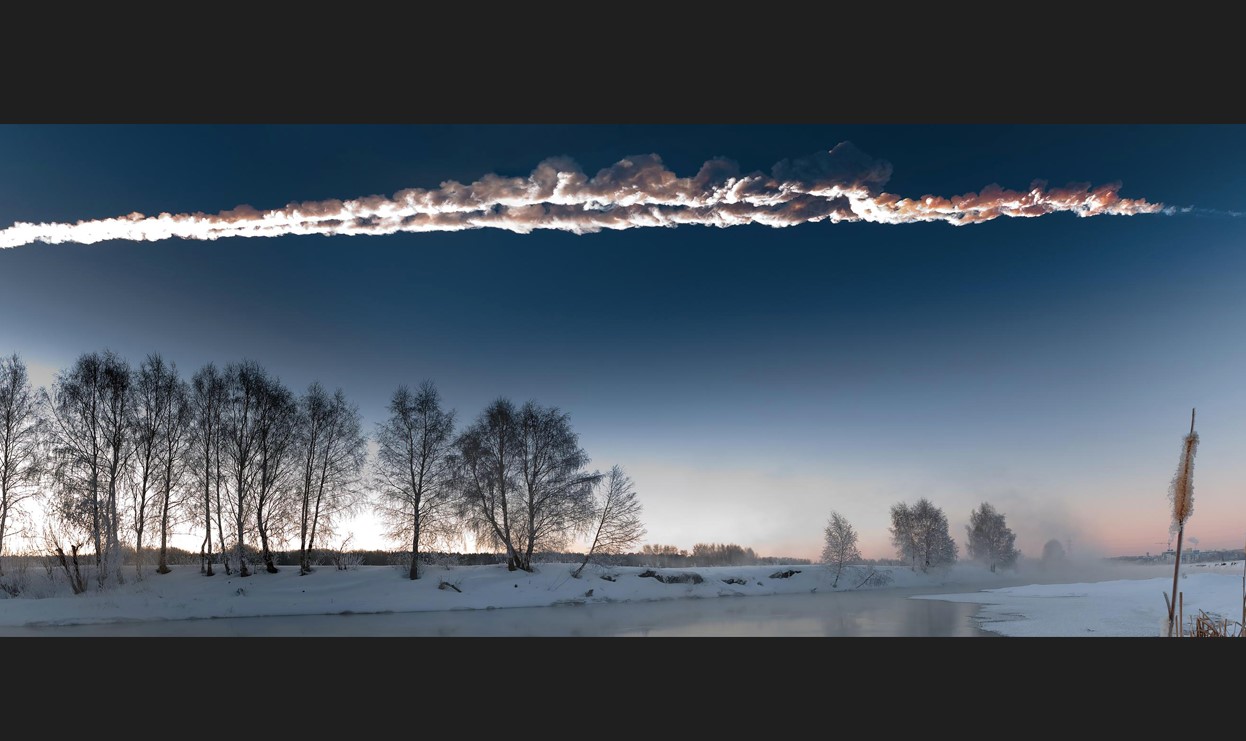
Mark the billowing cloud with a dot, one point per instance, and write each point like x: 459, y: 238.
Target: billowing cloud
x: 842, y: 184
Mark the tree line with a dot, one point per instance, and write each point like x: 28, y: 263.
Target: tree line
x: 118, y: 456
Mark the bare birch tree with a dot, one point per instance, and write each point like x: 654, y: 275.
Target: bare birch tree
x: 148, y: 422
x: 175, y: 435
x: 522, y: 479
x: 246, y: 384
x: 556, y: 492
x: 21, y: 459
x: 616, y: 516
x: 412, y: 469
x: 116, y: 416
x: 276, y: 430
x: 88, y: 411
x: 204, y: 459
x: 331, y: 451
x: 486, y: 475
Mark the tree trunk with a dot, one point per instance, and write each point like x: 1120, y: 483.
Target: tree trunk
x: 95, y: 520
x: 138, y: 553
x: 207, y: 512
x: 415, y: 547
x: 163, y: 567
x: 4, y: 516
x: 269, y: 566
x: 243, y: 571
x: 203, y: 558
x: 576, y: 574
x: 311, y: 538
x: 240, y: 493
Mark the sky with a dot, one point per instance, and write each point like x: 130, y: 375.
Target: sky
x: 1074, y: 599
x: 750, y: 379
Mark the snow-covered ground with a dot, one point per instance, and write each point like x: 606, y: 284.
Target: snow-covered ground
x: 1120, y: 600
x: 1120, y: 607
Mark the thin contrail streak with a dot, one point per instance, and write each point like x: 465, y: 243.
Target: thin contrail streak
x: 840, y: 185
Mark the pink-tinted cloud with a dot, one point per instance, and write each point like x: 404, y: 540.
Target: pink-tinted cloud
x: 842, y: 184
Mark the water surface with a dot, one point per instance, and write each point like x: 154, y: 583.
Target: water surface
x: 877, y: 613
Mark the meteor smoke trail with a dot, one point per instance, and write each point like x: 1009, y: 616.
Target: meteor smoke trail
x: 1173, y: 211
x: 843, y: 184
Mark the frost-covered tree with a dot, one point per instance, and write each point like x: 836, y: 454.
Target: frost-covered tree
x: 617, y: 525
x: 920, y: 535
x: 1053, y: 553
x: 412, y: 469
x: 990, y: 539
x: 661, y: 556
x: 840, y: 547
x: 20, y: 456
x: 722, y: 554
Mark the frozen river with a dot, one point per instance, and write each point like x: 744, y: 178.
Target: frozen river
x: 879, y: 613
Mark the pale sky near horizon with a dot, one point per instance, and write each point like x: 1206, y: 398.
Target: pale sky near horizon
x: 750, y: 379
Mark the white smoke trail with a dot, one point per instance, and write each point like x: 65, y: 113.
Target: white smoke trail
x: 842, y: 184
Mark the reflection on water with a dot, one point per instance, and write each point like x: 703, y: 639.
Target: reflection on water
x: 883, y: 613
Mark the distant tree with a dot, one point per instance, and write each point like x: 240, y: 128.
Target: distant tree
x: 617, y: 518
x: 840, y: 549
x: 990, y: 539
x: 522, y: 478
x: 722, y: 554
x: 413, y: 466
x: 920, y: 535
x: 659, y: 555
x: 20, y: 456
x: 1053, y: 553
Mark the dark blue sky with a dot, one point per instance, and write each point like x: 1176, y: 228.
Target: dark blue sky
x: 751, y: 379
